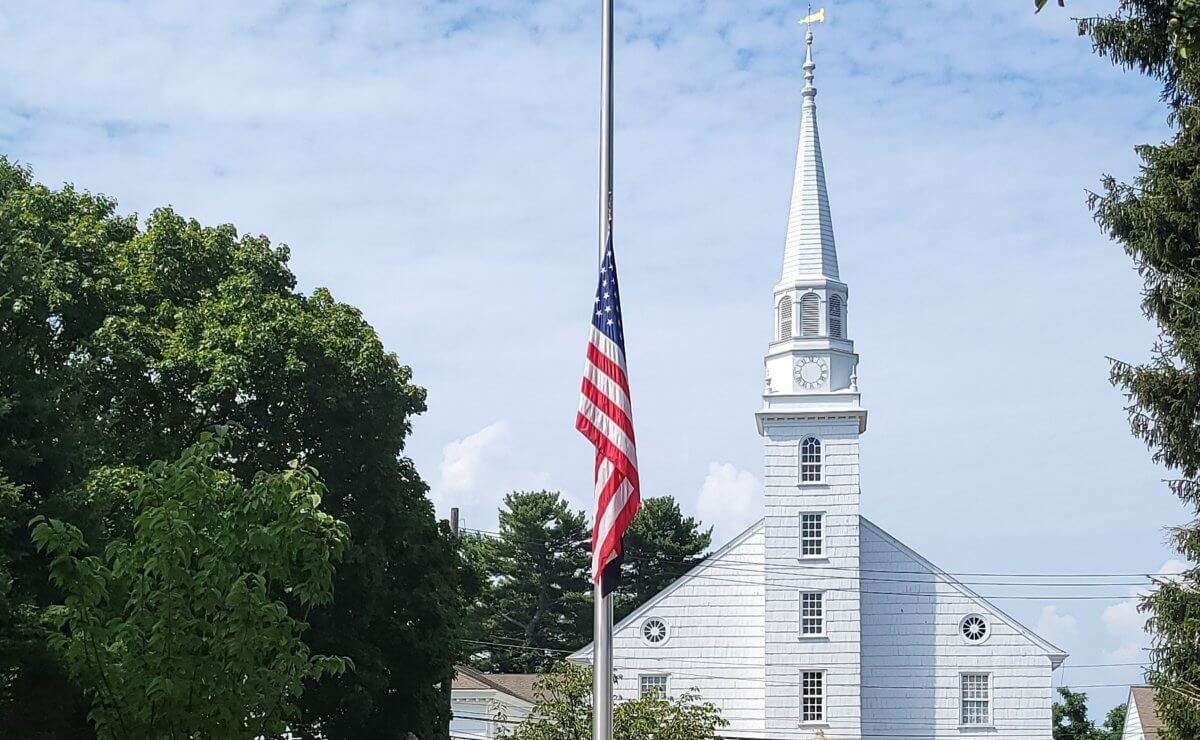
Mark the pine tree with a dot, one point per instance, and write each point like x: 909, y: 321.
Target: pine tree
x: 660, y: 545
x: 1156, y: 218
x: 537, y: 595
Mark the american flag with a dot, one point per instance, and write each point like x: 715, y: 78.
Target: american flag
x: 606, y: 419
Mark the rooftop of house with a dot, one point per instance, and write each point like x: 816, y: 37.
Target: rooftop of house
x: 518, y: 685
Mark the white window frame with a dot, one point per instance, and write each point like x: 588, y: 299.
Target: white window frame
x: 989, y: 702
x: 781, y: 335
x: 822, y: 555
x: 820, y: 462
x: 820, y: 619
x: 666, y: 684
x: 824, y: 696
x: 837, y: 300
x: 811, y: 300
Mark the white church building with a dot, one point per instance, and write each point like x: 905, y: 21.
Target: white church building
x: 815, y: 622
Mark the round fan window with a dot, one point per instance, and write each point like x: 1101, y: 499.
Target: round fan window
x: 654, y: 631
x: 974, y: 628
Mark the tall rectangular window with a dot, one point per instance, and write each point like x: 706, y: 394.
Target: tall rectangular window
x: 976, y: 698
x: 812, y: 696
x: 652, y: 684
x: 812, y: 614
x: 812, y: 535
x: 810, y: 460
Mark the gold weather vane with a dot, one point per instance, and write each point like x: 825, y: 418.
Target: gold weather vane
x: 811, y: 18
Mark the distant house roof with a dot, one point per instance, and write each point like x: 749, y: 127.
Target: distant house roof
x: 1142, y: 697
x: 518, y: 685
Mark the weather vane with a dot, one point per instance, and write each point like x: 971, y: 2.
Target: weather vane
x: 811, y: 18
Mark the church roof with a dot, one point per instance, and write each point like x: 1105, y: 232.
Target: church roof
x: 1056, y: 655
x: 809, y: 251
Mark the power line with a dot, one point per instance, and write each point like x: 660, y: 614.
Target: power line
x: 956, y: 576
x: 498, y: 642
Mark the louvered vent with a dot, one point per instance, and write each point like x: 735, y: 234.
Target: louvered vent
x: 810, y: 315
x: 785, y: 318
x: 835, y: 317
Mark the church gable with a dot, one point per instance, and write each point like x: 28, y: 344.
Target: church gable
x: 704, y: 632
x: 927, y: 639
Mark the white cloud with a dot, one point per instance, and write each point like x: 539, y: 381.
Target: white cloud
x: 1059, y: 629
x: 1124, y: 621
x: 728, y: 500
x: 464, y: 459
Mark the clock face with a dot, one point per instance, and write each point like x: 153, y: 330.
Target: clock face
x: 811, y: 372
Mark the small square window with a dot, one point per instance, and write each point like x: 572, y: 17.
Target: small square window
x: 976, y: 691
x: 812, y: 535
x: 812, y: 614
x: 812, y: 696
x: 652, y: 684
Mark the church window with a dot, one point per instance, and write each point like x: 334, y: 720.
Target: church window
x: 976, y: 691
x: 654, y: 631
x: 785, y: 318
x: 974, y: 628
x: 812, y: 614
x: 835, y: 317
x: 652, y: 684
x: 810, y: 460
x: 812, y: 535
x: 812, y: 696
x: 810, y: 315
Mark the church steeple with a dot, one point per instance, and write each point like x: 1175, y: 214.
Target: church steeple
x: 809, y: 250
x: 810, y: 365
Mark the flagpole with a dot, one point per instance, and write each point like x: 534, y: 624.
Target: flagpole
x: 602, y: 670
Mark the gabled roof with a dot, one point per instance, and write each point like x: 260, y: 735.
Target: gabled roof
x: 517, y: 685
x: 579, y: 655
x: 1056, y: 655
x: 1141, y: 699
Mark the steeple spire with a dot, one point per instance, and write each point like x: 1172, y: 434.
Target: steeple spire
x: 809, y: 251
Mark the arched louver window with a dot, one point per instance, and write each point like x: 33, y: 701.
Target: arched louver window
x: 785, y: 318
x: 836, y: 327
x: 810, y: 460
x: 810, y: 315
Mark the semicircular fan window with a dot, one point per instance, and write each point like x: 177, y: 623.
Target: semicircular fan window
x: 654, y: 631
x: 974, y: 628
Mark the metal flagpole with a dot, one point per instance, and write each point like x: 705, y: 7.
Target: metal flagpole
x: 602, y: 678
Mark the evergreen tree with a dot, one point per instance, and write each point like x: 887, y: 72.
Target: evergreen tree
x: 536, y: 599
x: 1156, y: 218
x: 660, y: 545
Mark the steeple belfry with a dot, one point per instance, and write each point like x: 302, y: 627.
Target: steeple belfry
x: 809, y: 251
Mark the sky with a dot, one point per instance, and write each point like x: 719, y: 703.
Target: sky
x: 434, y: 162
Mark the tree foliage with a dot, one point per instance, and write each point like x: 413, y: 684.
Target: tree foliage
x: 182, y: 629
x: 536, y: 601
x: 1070, y: 719
x: 564, y: 712
x: 660, y: 545
x: 119, y: 343
x: 1156, y: 219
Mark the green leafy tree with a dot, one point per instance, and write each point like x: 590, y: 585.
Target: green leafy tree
x: 180, y: 629
x: 119, y: 343
x: 660, y: 545
x: 564, y: 712
x: 1156, y: 219
x: 1070, y: 719
x: 537, y: 601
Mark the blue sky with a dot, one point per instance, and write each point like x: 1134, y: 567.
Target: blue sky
x: 434, y: 163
